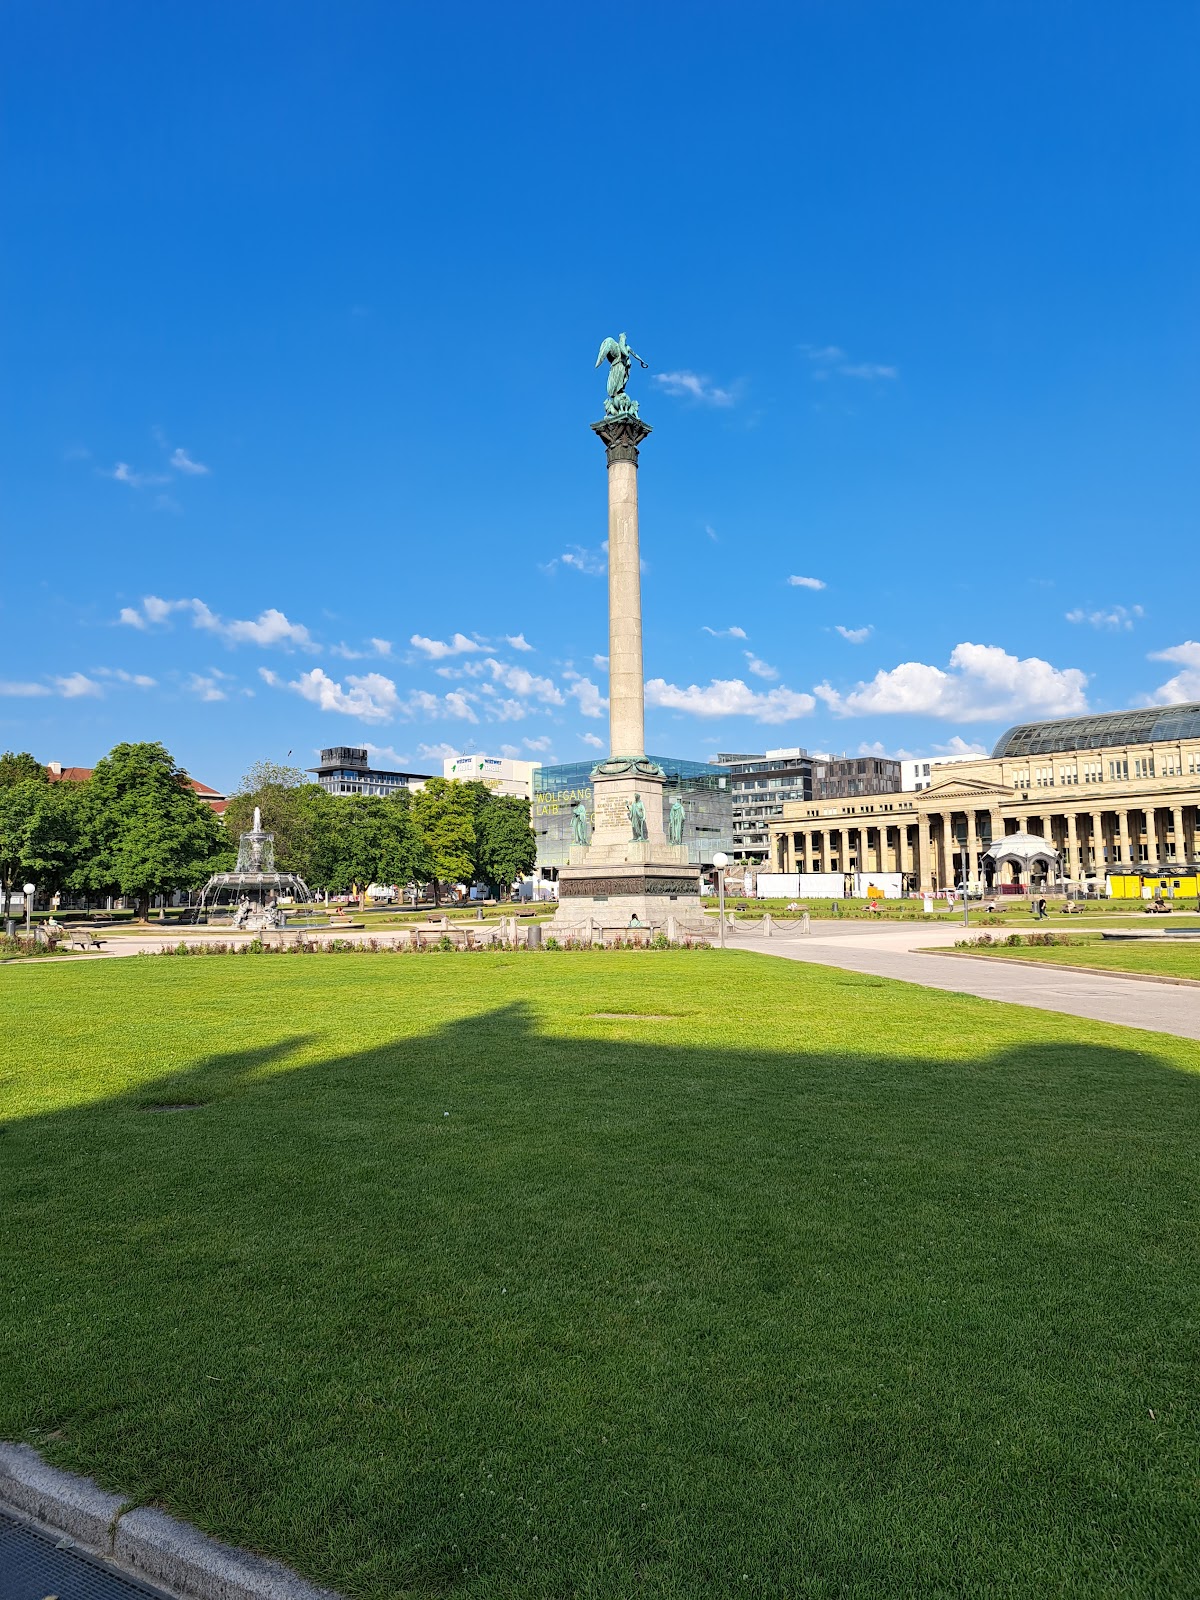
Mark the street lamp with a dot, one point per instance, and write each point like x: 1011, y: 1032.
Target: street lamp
x: 30, y: 890
x: 721, y: 861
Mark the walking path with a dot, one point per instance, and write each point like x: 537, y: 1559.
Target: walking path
x: 891, y: 951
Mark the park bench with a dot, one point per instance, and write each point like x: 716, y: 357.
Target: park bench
x: 85, y: 939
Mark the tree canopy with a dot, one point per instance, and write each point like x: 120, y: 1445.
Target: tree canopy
x: 143, y: 828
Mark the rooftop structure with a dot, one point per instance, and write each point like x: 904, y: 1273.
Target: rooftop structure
x: 346, y: 769
x: 764, y: 783
x: 1147, y: 725
x: 501, y: 774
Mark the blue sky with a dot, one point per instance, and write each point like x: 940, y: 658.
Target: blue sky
x: 303, y: 301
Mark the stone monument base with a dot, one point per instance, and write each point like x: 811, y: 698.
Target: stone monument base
x: 610, y: 895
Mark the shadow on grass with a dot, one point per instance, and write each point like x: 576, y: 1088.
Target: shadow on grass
x: 493, y: 1311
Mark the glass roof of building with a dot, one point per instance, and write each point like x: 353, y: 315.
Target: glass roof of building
x: 1148, y: 725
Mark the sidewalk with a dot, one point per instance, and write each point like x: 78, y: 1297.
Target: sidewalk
x: 890, y: 951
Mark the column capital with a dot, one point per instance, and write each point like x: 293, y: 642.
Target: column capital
x: 621, y: 437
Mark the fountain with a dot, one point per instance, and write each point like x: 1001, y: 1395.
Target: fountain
x: 253, y: 890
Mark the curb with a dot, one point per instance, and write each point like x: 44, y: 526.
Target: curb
x: 147, y: 1543
x: 1066, y: 966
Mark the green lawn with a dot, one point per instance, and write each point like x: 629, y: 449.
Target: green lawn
x: 1179, y: 959
x: 812, y: 1286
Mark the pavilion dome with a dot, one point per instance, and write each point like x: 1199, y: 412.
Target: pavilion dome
x: 1023, y: 848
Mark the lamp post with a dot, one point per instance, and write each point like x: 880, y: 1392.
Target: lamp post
x: 721, y: 861
x: 30, y: 890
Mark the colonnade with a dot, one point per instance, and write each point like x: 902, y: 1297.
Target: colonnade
x: 930, y: 846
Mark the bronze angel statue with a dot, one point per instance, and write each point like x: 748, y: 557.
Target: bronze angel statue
x: 620, y: 360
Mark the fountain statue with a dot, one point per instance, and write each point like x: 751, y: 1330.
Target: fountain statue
x: 252, y: 894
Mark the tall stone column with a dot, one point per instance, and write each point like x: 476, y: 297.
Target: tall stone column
x: 806, y: 844
x: 628, y: 872
x: 1180, y: 851
x: 626, y: 687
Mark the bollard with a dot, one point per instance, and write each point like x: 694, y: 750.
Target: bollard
x: 767, y: 924
x: 805, y: 923
x: 533, y: 936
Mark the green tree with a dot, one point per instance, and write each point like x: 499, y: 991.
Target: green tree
x: 38, y: 834
x: 444, y: 812
x: 144, y: 830
x: 21, y: 767
x: 507, y: 846
x: 378, y: 841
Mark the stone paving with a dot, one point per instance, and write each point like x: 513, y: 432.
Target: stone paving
x: 894, y: 951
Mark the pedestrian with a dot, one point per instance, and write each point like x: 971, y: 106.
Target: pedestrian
x: 1042, y: 909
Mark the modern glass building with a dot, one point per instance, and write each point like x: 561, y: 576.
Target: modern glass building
x: 705, y: 790
x: 345, y: 769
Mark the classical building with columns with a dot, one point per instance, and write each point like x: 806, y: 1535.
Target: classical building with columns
x: 1114, y: 790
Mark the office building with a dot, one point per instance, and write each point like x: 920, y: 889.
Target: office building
x: 345, y: 769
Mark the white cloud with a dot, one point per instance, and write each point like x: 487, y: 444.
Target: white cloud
x: 725, y: 633
x: 270, y: 627
x: 511, y: 751
x: 376, y: 647
x: 206, y: 687
x: 76, y: 686
x: 498, y: 710
x: 694, y: 386
x: 592, y: 739
x: 730, y: 697
x: 137, y: 680
x: 438, y: 649
x: 712, y: 533
x: 1184, y: 685
x: 984, y: 684
x: 956, y: 745
x: 372, y: 697
x: 759, y: 668
x: 517, y: 641
x: 541, y: 744
x: 1117, y: 618
x: 182, y: 462
x: 24, y: 691
x: 855, y: 635
x: 594, y: 563
x: 439, y: 752
x: 830, y: 358
x: 524, y: 683
x: 806, y: 583
x: 124, y: 473
x: 385, y: 752
x: 591, y: 702
x: 600, y: 663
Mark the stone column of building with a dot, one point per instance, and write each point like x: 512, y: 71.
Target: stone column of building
x: 1126, y: 849
x: 907, y: 862
x: 1180, y: 851
x: 1074, y: 865
x: 947, y: 876
x: 1097, y: 845
x: 1154, y: 850
x: 924, y: 852
x: 972, y: 863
